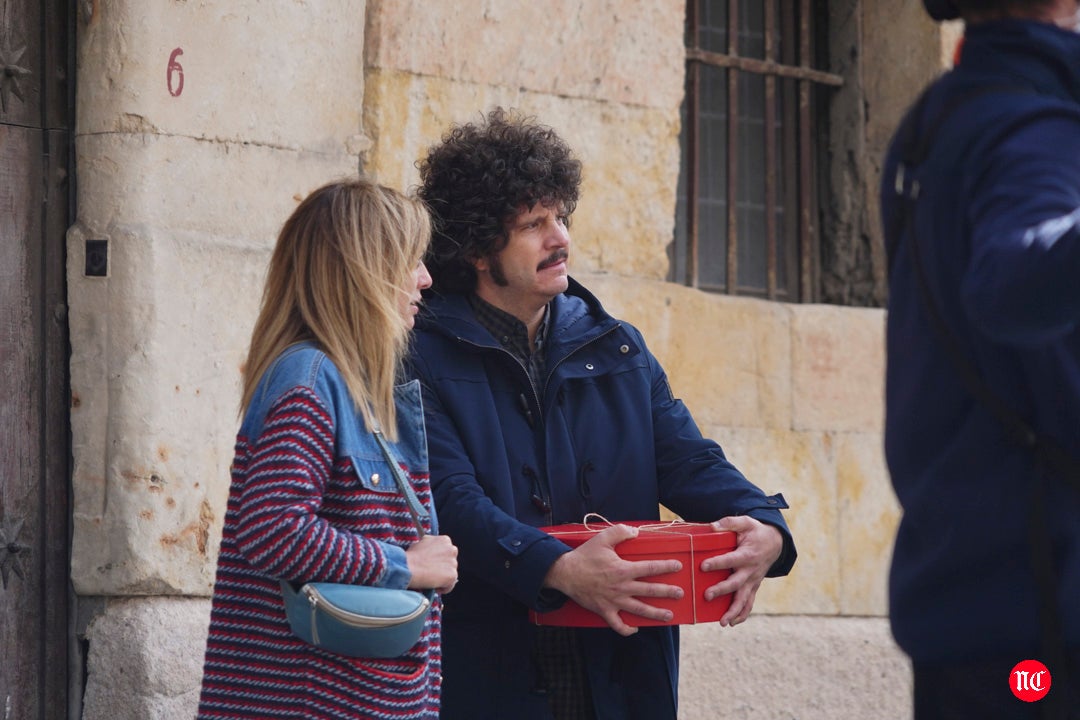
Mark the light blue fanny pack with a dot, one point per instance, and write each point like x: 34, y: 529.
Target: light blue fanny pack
x: 361, y: 620
x: 356, y: 620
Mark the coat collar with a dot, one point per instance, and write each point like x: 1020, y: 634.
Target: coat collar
x: 1036, y: 53
x: 576, y: 315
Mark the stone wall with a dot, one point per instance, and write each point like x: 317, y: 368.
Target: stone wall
x: 607, y: 75
x: 188, y: 173
x: 199, y: 126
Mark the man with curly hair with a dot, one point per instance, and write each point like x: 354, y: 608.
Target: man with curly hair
x: 542, y: 408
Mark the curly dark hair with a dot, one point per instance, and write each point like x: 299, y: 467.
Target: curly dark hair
x: 478, y: 179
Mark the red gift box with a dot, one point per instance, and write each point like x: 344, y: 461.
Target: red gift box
x: 689, y: 543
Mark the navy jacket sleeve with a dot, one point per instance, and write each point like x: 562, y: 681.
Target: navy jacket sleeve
x: 1021, y: 286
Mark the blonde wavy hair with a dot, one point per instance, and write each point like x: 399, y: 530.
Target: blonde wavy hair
x: 336, y: 277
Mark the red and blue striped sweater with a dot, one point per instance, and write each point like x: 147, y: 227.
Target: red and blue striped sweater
x: 298, y: 510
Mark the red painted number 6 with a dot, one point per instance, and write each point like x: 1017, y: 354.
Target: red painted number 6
x: 174, y: 78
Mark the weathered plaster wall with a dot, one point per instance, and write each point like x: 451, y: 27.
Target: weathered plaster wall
x: 886, y: 52
x: 190, y: 189
x: 616, y: 101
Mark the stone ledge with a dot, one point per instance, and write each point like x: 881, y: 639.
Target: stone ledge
x: 787, y: 667
x: 145, y: 663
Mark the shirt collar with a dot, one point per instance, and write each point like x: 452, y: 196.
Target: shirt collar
x: 507, y: 329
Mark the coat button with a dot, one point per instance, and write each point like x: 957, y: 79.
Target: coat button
x: 516, y: 543
x: 375, y: 478
x: 507, y: 564
x: 624, y: 349
x: 772, y: 501
x: 588, y: 366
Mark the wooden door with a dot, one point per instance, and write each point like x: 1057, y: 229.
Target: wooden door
x: 35, y: 140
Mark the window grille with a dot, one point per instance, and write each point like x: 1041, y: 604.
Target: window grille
x: 746, y: 213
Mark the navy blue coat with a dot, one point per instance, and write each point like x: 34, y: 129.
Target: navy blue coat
x: 997, y: 225
x: 606, y: 435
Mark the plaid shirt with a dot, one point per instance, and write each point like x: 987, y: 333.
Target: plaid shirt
x: 514, y: 337
x: 557, y: 654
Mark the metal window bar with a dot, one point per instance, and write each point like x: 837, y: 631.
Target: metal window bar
x: 772, y: 68
x: 693, y: 139
x: 731, y: 281
x: 732, y: 185
x: 770, y: 155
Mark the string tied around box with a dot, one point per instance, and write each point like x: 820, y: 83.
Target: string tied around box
x: 658, y: 526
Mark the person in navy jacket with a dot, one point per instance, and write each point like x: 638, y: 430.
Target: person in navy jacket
x: 996, y: 224
x: 540, y: 408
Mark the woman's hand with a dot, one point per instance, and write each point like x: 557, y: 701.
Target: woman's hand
x: 433, y: 563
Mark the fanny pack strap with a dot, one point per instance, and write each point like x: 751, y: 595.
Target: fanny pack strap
x: 416, y: 508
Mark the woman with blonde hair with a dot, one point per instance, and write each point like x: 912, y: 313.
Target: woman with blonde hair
x: 306, y: 502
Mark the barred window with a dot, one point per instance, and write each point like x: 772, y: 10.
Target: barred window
x: 747, y: 208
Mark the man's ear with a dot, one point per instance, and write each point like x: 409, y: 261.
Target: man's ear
x: 480, y: 263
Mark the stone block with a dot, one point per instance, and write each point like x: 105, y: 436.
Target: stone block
x: 802, y: 467
x: 157, y: 350
x: 729, y: 359
x: 145, y: 659
x: 838, y: 368
x: 158, y: 344
x: 810, y: 668
x: 233, y: 193
x: 869, y: 514
x: 628, y: 53
x: 282, y: 75
x: 630, y: 158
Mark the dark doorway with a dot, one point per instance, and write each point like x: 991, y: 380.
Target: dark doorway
x: 36, y: 45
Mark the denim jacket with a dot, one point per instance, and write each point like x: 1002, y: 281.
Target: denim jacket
x: 304, y: 365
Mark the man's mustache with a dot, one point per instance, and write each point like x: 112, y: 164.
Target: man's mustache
x: 555, y: 257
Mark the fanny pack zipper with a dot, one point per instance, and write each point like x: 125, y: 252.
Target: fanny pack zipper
x: 353, y: 619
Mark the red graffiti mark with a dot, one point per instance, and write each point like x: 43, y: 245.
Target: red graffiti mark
x: 175, y: 73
